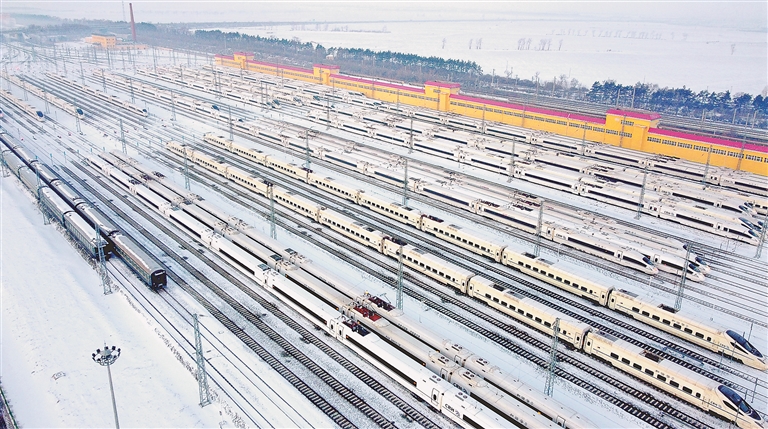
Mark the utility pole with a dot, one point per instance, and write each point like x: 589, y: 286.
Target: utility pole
x: 272, y: 230
x: 410, y: 139
x: 550, y: 384
x: 642, y: 193
x: 679, y: 300
x: 130, y: 84
x: 762, y: 236
x: 122, y: 136
x: 103, y: 81
x: 741, y: 153
x: 231, y: 135
x: 82, y: 75
x: 537, y: 246
x: 45, y: 97
x: 706, y: 167
x: 105, y: 283
x: 202, y: 378
x: 308, y: 161
x: 186, y: 171
x: 77, y: 118
x: 399, y: 296
x: 511, y: 163
x: 405, y: 184
x: 6, y: 171
x: 173, y: 105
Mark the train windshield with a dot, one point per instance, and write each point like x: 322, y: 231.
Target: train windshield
x: 648, y: 261
x: 739, y: 402
x: 744, y: 343
x: 693, y: 268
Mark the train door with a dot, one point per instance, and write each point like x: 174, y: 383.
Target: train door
x: 560, y: 421
x: 435, y: 398
x: 619, y: 256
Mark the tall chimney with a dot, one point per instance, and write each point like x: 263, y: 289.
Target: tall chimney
x: 133, y: 24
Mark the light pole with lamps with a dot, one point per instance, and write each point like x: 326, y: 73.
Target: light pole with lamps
x: 106, y: 358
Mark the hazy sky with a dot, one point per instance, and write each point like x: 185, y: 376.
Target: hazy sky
x: 746, y: 15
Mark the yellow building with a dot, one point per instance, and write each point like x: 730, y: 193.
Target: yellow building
x: 629, y: 129
x: 106, y: 41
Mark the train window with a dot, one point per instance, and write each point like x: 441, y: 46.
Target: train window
x: 495, y: 299
x: 676, y: 325
x: 529, y: 315
x: 662, y: 378
x: 521, y: 312
x: 547, y: 324
x: 550, y: 275
x: 709, y: 339
x: 687, y: 390
x: 536, y: 270
x: 614, y: 355
x: 625, y: 360
x: 576, y: 285
x: 487, y: 295
x: 698, y: 395
x: 568, y: 282
x: 655, y: 317
x: 527, y: 266
x: 699, y: 335
x: 538, y: 319
x: 665, y: 321
x: 503, y: 303
x: 674, y: 384
x: 583, y: 289
x: 688, y: 330
x: 637, y: 367
x: 558, y: 278
x: 635, y: 309
x: 649, y: 372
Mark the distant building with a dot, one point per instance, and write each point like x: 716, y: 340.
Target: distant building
x: 110, y: 41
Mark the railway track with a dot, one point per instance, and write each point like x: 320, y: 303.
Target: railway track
x: 390, y: 281
x: 504, y: 340
x: 533, y: 291
x: 314, y: 396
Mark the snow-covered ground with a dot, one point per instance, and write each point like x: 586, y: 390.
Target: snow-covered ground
x: 674, y: 55
x: 54, y: 315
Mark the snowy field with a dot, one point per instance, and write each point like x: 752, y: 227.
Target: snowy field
x: 54, y: 315
x: 671, y: 55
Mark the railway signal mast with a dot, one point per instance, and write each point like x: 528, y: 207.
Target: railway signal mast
x: 537, y: 246
x: 550, y: 384
x: 202, y: 378
x: 679, y: 300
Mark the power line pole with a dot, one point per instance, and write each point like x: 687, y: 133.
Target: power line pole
x: 231, y: 135
x: 762, y: 236
x: 122, y: 136
x: 173, y: 105
x: 405, y: 185
x: 679, y: 300
x: 308, y: 161
x: 706, y: 167
x: 642, y: 193
x: 399, y: 296
x: 511, y: 163
x: 537, y: 246
x: 105, y: 283
x: 186, y: 171
x: 272, y: 230
x: 202, y: 377
x: 550, y: 384
x: 410, y: 139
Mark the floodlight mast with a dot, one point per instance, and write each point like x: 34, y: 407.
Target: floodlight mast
x: 107, y: 357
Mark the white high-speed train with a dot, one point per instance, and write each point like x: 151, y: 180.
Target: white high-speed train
x: 447, y: 273
x: 50, y: 98
x: 26, y: 108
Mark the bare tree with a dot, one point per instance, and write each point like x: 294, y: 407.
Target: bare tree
x: 521, y: 44
x: 443, y: 42
x: 470, y: 43
x: 528, y: 44
x: 479, y: 43
x: 560, y: 44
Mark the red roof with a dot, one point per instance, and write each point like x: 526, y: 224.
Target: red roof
x: 379, y: 84
x: 231, y: 57
x: 565, y: 115
x: 326, y: 66
x: 708, y: 140
x: 443, y: 84
x: 632, y: 114
x: 243, y: 53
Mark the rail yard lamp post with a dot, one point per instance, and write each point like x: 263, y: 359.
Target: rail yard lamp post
x: 107, y: 357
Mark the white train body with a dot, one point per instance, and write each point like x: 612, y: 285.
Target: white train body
x: 682, y: 383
